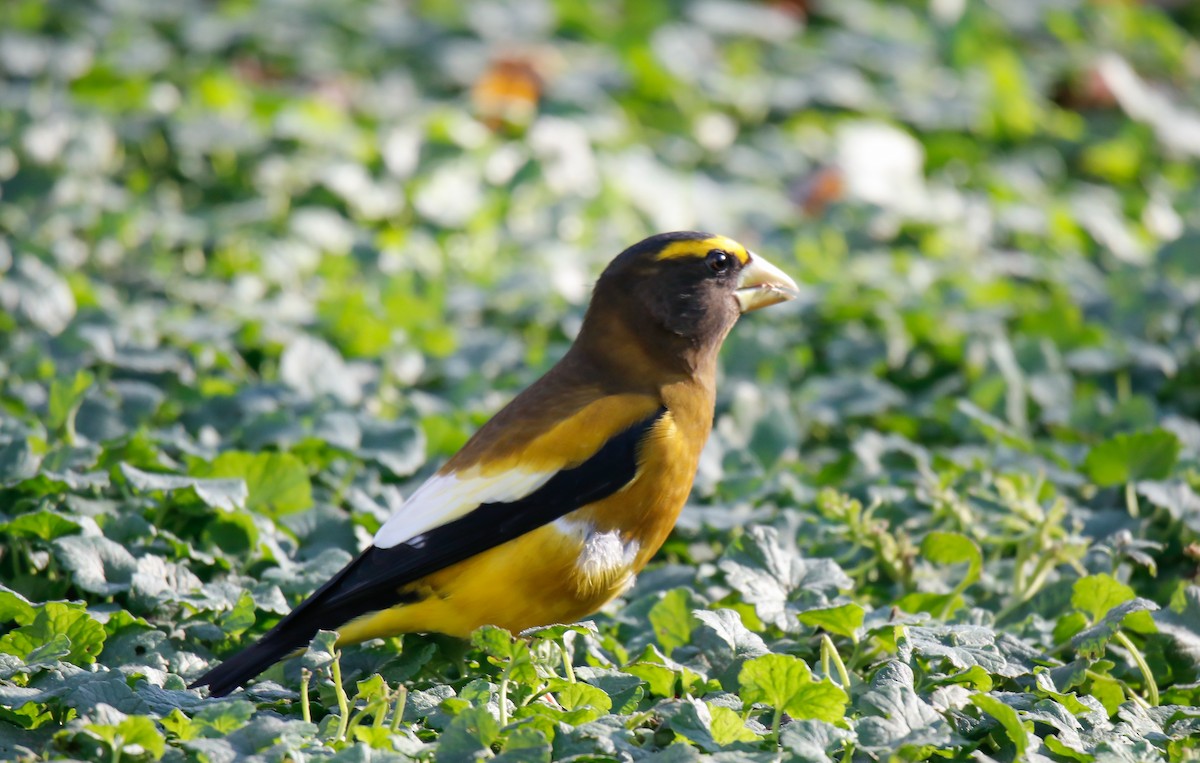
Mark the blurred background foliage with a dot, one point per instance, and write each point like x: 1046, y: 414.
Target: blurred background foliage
x: 264, y: 264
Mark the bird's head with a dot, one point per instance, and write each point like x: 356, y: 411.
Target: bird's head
x: 683, y: 291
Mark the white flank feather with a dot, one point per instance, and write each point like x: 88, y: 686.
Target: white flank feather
x: 604, y: 559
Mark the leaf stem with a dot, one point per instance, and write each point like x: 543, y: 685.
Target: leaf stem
x: 1147, y: 676
x: 1041, y: 572
x: 398, y: 711
x: 567, y: 668
x: 340, y: 692
x: 381, y: 708
x: 1124, y: 387
x: 1131, y: 501
x: 825, y: 656
x: 305, y: 710
x: 638, y: 719
x: 504, y: 700
x: 828, y: 647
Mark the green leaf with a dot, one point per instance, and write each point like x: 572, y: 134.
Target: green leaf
x: 1132, y: 457
x: 473, y: 730
x: 898, y: 720
x: 1180, y: 622
x: 1095, y: 595
x: 772, y: 575
x: 376, y: 737
x: 277, y: 483
x: 320, y: 651
x: 1008, y: 718
x: 221, y: 719
x: 786, y: 684
x: 672, y: 619
x: 131, y: 733
x: 937, y: 604
x: 975, y: 677
x: 58, y: 647
x: 44, y: 525
x: 1109, y: 691
x: 842, y: 620
x: 525, y: 744
x: 372, y: 689
x: 1045, y: 687
x: 233, y: 533
x: 1133, y: 614
x: 506, y: 650
x: 945, y: 548
x: 15, y: 608
x: 814, y: 741
x: 660, y: 679
x: 18, y: 462
x: 240, y: 618
x: 97, y: 565
x: 660, y: 673
x: 179, y: 725
x: 819, y: 700
x: 1068, y: 625
x: 692, y: 719
x: 579, y: 696
x: 53, y: 619
x: 65, y: 398
x: 728, y: 727
x: 954, y: 548
x: 773, y: 679
x: 966, y: 646
x: 495, y: 642
x: 225, y: 494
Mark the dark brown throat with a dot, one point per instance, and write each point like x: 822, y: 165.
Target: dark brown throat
x: 628, y: 348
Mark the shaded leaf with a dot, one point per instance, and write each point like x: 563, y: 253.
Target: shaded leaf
x: 1132, y: 457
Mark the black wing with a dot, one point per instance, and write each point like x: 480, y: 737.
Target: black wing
x: 372, y: 581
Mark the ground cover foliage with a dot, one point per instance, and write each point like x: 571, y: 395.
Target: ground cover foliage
x: 265, y: 265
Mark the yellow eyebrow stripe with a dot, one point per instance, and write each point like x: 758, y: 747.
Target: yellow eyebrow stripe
x: 701, y: 247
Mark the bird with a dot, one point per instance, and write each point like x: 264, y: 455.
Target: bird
x: 554, y: 505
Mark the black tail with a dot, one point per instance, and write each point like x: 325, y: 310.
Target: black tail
x: 334, y: 604
x: 248, y: 663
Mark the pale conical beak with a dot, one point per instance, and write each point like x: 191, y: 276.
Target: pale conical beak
x: 761, y: 284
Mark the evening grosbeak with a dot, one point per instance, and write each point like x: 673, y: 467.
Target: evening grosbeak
x: 560, y: 499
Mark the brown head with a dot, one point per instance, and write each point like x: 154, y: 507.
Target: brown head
x: 667, y: 303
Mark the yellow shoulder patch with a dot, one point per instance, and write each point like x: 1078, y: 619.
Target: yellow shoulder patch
x: 701, y: 247
x: 569, y: 442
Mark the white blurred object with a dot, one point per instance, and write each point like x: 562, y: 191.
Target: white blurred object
x: 452, y: 195
x: 313, y: 368
x: 715, y: 131
x: 742, y: 19
x: 1161, y: 219
x: 947, y: 12
x: 402, y: 150
x: 34, y: 290
x: 1176, y: 127
x: 1098, y: 210
x: 324, y: 228
x: 882, y: 165
x: 503, y: 164
x: 565, y: 153
x: 369, y: 199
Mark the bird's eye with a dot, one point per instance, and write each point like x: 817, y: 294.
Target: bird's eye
x: 719, y: 261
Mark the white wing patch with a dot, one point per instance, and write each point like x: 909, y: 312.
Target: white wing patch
x: 444, y: 498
